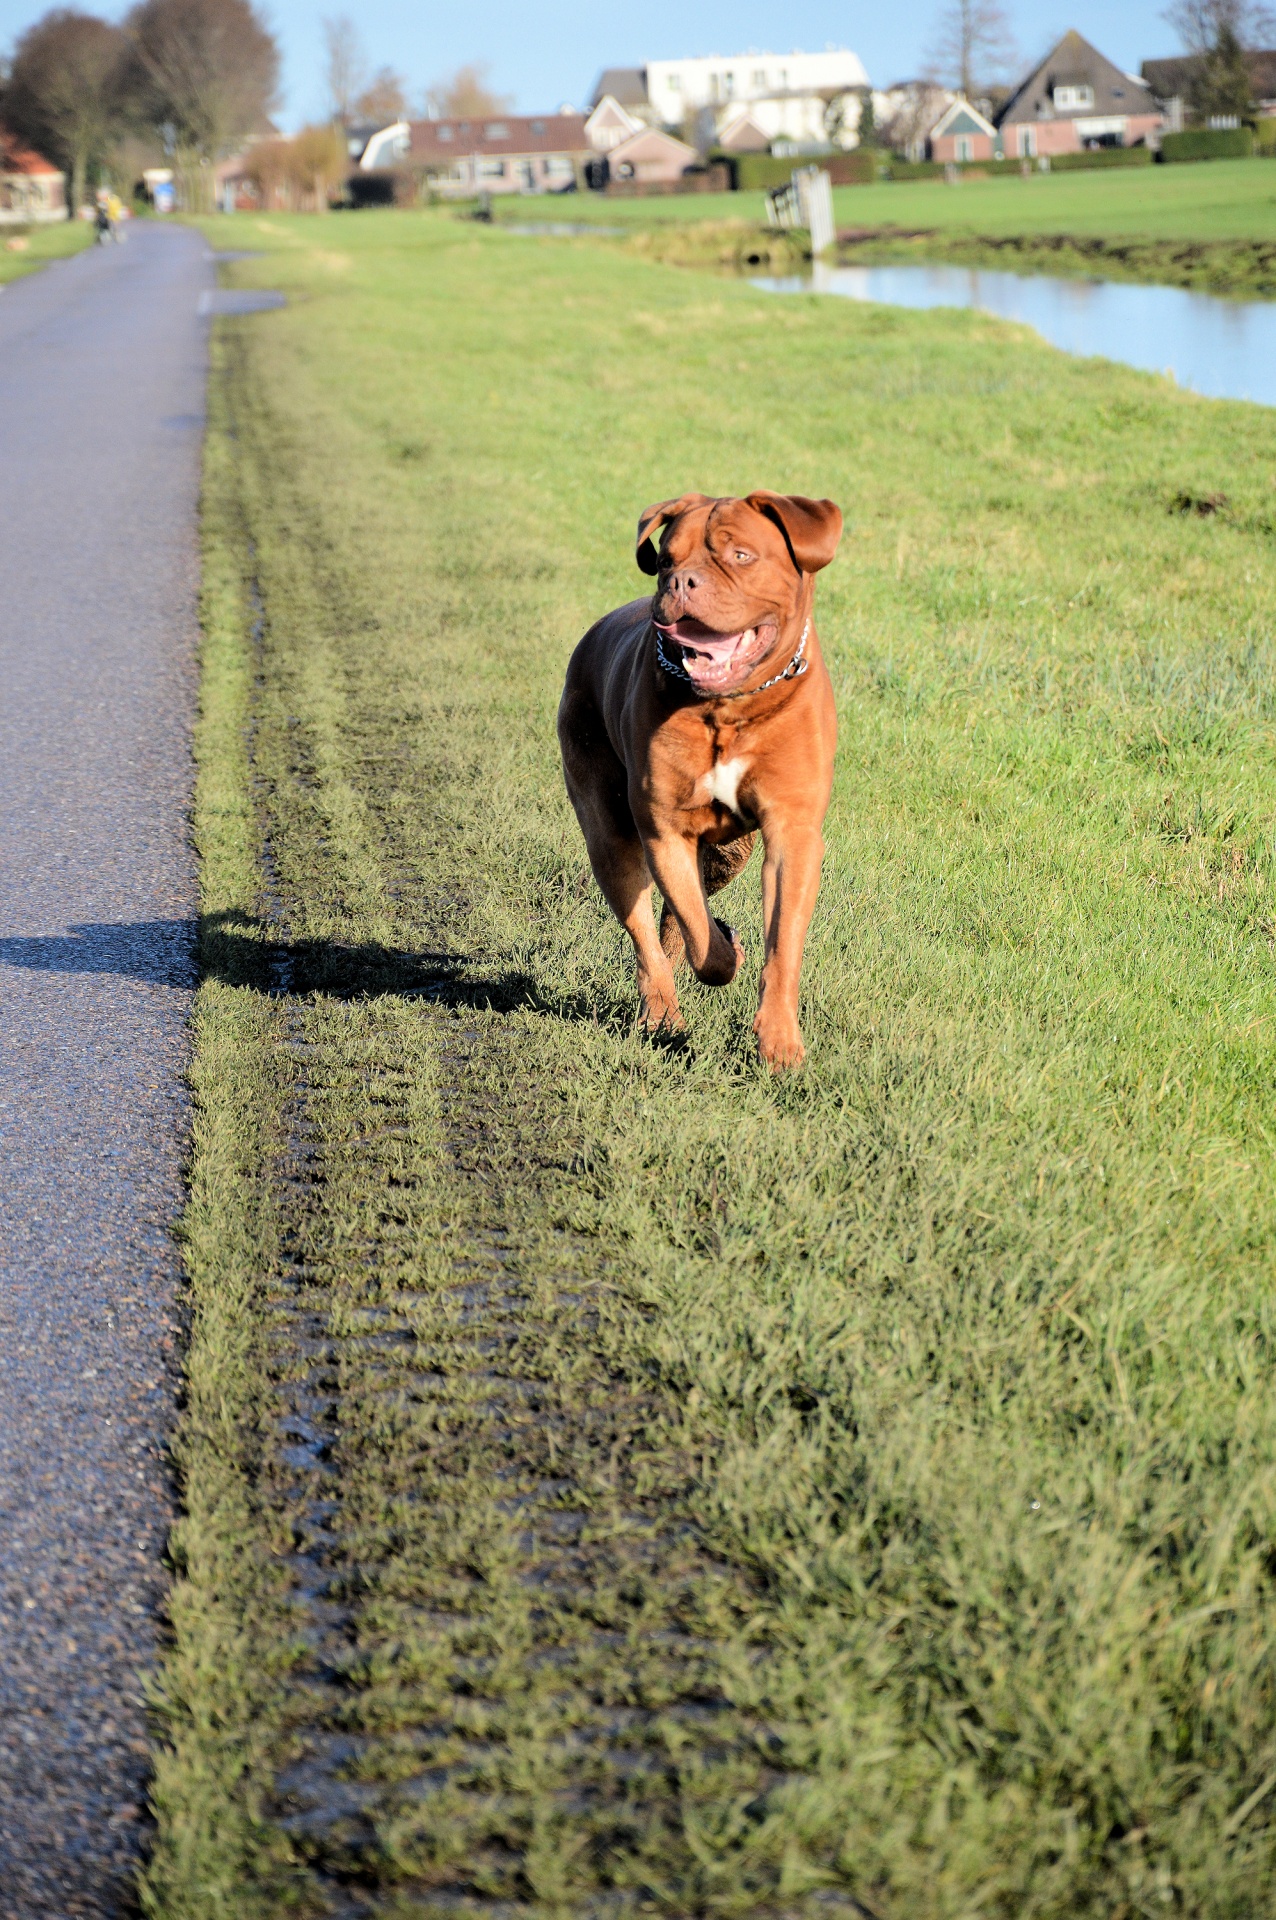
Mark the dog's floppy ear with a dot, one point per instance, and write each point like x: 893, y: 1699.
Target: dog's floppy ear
x: 812, y: 528
x: 653, y: 517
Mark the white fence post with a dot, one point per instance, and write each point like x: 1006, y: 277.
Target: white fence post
x: 815, y: 198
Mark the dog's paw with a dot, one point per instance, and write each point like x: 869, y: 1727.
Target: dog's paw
x: 737, y: 945
x: 720, y: 969
x: 779, y: 1040
x: 658, y: 1016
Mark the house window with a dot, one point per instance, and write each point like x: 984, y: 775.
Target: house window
x: 538, y: 126
x: 1027, y: 143
x: 759, y: 76
x: 1073, y: 99
x: 558, y: 167
x: 728, y: 82
x: 965, y: 147
x: 491, y: 169
x: 675, y: 83
x: 496, y: 130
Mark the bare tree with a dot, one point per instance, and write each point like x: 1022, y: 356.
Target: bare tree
x: 207, y: 70
x: 64, y: 92
x: 300, y: 173
x: 466, y: 96
x: 1200, y: 24
x: 973, y: 46
x: 347, y: 66
x: 319, y: 162
x: 385, y: 98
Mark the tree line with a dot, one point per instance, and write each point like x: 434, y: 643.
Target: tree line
x: 184, y: 83
x: 186, y: 79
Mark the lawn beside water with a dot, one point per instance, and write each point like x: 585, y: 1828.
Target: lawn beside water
x: 1216, y: 200
x: 618, y: 1480
x: 1209, y: 227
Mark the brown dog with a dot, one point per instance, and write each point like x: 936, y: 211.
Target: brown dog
x: 692, y: 719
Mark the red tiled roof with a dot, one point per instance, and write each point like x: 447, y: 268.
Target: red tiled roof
x: 19, y: 159
x: 498, y: 133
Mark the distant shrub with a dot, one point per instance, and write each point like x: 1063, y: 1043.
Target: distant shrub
x: 755, y: 170
x: 1209, y: 143
x: 1265, y: 137
x: 1101, y: 157
x: 898, y: 169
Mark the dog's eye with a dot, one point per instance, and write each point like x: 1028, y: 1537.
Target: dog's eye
x: 743, y: 557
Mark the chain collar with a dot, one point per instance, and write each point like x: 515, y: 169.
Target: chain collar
x: 675, y: 669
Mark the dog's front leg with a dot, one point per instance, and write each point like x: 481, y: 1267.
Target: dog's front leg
x: 790, y: 882
x: 714, y: 952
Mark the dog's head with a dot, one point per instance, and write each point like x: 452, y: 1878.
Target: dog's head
x: 732, y: 576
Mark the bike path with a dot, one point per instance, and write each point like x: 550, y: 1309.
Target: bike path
x: 102, y: 380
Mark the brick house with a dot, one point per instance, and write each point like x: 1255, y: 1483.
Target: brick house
x: 962, y: 134
x: 1076, y: 99
x: 32, y: 189
x: 503, y: 153
x: 651, y: 157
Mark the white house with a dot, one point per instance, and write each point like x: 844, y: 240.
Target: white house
x: 746, y: 100
x: 609, y: 124
x: 387, y: 147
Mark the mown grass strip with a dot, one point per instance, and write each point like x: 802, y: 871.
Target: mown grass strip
x: 658, y: 1486
x: 23, y: 253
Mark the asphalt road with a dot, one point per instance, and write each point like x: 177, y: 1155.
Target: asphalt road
x: 102, y: 370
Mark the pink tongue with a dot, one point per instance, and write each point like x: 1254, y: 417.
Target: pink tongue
x: 717, y: 646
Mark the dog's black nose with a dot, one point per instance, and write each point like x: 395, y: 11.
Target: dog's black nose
x: 682, y: 582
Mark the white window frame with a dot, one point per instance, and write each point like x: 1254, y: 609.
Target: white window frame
x: 964, y: 147
x: 1027, y: 143
x: 1073, y: 99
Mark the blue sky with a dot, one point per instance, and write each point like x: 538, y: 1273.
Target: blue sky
x: 551, y: 52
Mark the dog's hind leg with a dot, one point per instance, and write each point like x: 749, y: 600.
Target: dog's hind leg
x: 721, y: 864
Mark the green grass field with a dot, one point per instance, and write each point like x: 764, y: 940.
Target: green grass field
x: 43, y: 244
x: 616, y: 1480
x: 1224, y: 200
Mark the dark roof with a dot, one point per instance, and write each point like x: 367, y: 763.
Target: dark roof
x: 1074, y: 62
x: 502, y: 133
x: 1172, y: 79
x: 626, y: 85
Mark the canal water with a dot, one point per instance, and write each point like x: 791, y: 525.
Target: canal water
x: 1223, y: 348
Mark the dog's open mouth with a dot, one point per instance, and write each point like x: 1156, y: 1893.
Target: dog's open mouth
x: 717, y: 659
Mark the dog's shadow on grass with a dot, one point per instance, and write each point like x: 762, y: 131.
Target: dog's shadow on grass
x: 241, y: 951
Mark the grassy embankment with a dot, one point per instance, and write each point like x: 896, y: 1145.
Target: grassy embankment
x: 43, y: 244
x: 617, y: 1480
x: 1211, y: 226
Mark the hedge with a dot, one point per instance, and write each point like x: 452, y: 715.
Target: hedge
x: 754, y: 170
x: 1209, y: 143
x: 1101, y: 157
x: 914, y: 169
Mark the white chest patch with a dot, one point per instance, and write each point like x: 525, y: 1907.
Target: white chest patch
x: 723, y: 781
